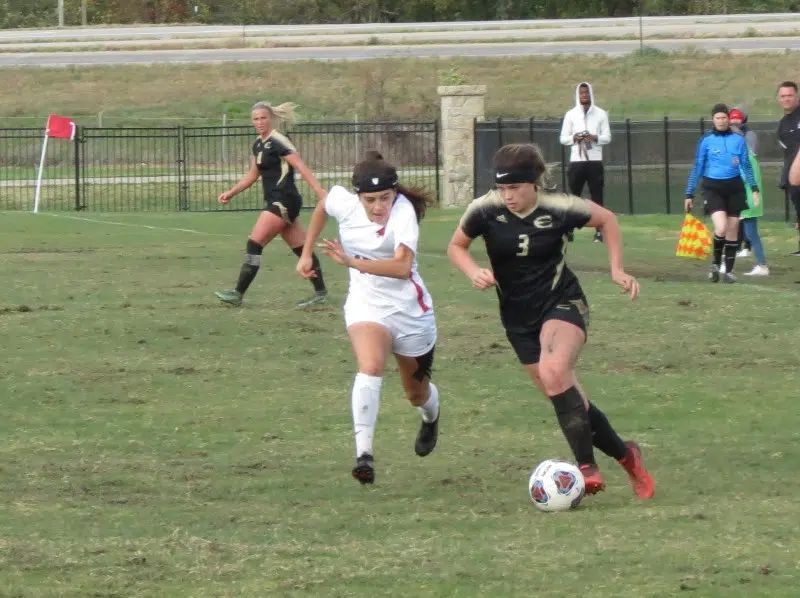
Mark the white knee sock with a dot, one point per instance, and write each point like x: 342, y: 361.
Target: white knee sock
x: 430, y: 410
x: 366, y: 400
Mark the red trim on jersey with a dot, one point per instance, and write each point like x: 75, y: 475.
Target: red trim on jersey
x: 382, y: 231
x: 420, y: 295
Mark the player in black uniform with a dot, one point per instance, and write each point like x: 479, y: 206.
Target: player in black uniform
x: 274, y: 160
x: 542, y: 306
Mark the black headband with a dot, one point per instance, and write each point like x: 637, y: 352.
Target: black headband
x: 372, y: 184
x: 515, y: 175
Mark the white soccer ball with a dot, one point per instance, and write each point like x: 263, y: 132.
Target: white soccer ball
x: 556, y: 485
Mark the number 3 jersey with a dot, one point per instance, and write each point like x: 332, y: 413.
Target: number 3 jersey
x: 528, y: 253
x: 363, y: 239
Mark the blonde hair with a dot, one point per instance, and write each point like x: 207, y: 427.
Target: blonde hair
x: 285, y: 111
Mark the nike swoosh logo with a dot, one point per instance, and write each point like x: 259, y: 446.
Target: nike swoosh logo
x: 501, y: 175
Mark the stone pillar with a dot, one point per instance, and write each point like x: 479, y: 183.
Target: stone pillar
x: 460, y: 105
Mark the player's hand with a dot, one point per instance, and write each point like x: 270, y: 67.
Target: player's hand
x: 304, y: 267
x: 628, y: 283
x: 224, y: 198
x: 483, y: 279
x: 333, y: 249
x: 687, y: 204
x: 756, y: 198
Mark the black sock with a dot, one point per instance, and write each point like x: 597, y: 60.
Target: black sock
x: 741, y: 241
x: 730, y: 256
x: 604, y: 436
x: 719, y: 243
x: 252, y: 262
x: 317, y: 281
x: 574, y: 421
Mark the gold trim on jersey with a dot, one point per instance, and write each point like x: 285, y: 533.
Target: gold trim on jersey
x: 562, y: 263
x: 281, y: 138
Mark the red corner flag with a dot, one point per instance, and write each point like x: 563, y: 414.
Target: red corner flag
x: 60, y: 127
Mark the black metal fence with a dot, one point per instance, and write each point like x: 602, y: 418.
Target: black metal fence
x: 186, y: 168
x: 647, y: 164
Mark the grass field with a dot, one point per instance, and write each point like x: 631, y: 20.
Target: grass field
x: 157, y: 443
x: 403, y: 88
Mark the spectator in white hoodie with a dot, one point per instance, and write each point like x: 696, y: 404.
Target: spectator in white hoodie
x: 586, y: 130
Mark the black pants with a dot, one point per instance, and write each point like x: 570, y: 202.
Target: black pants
x: 793, y: 195
x: 583, y: 173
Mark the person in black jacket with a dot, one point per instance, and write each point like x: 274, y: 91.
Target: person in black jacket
x: 789, y: 137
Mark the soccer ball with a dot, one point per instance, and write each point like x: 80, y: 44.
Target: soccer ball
x: 556, y: 485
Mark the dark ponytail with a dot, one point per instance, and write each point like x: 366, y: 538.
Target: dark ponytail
x: 373, y: 174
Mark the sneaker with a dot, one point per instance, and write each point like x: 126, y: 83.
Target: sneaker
x: 722, y: 268
x: 426, y: 438
x: 598, y: 237
x: 364, y: 471
x: 758, y: 270
x: 743, y: 253
x: 232, y: 297
x: 317, y: 298
x: 642, y: 482
x: 592, y: 478
x: 729, y: 278
x: 713, y: 276
x: 796, y: 253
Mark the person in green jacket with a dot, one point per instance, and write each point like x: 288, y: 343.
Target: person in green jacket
x: 749, y: 217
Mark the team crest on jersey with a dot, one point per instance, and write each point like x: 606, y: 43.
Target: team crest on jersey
x: 502, y: 218
x: 545, y: 221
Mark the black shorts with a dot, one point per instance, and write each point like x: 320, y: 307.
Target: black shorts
x: 526, y: 344
x: 285, y: 204
x: 725, y: 195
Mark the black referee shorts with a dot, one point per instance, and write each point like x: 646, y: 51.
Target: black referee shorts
x: 725, y: 195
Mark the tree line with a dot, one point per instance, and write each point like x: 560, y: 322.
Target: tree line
x: 44, y: 13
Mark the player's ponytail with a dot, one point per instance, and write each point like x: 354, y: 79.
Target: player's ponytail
x: 420, y: 198
x: 285, y: 111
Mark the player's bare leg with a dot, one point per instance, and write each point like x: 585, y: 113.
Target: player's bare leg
x: 423, y: 394
x: 372, y: 344
x: 295, y: 236
x: 266, y: 228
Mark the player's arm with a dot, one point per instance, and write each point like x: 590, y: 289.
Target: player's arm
x: 297, y: 162
x: 461, y: 258
x: 697, y: 172
x: 399, y: 266
x: 318, y: 219
x: 244, y: 183
x: 794, y: 170
x: 567, y: 136
x: 605, y: 220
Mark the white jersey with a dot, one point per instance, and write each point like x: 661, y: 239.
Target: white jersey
x: 363, y: 239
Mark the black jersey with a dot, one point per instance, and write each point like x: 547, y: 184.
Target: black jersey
x: 277, y: 174
x: 528, y: 253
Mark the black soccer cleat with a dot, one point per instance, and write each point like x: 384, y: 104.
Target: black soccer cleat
x: 427, y: 437
x: 364, y: 471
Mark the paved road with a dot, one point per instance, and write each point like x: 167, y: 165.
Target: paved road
x: 133, y: 32
x: 679, y: 30
x: 486, y: 50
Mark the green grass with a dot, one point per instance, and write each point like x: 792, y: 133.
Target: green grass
x: 632, y: 86
x: 157, y: 443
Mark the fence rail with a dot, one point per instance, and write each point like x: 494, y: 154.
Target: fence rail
x: 186, y: 168
x: 647, y: 163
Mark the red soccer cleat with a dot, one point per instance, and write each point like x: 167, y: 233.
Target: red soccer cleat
x: 592, y: 478
x: 642, y: 482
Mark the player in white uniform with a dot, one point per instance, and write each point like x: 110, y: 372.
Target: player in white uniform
x: 388, y: 309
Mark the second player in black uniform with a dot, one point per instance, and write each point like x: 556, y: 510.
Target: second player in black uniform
x: 542, y: 306
x: 275, y: 161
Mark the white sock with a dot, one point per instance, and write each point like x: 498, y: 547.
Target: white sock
x: 366, y: 399
x: 430, y: 410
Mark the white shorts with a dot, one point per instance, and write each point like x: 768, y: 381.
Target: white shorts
x: 411, y: 337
